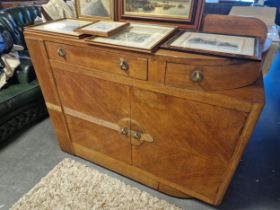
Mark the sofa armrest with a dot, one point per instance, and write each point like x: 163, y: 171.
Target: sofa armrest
x: 25, y: 72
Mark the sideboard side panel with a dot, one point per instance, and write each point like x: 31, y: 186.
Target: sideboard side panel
x: 44, y: 74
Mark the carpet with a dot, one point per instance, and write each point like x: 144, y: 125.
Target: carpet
x: 74, y: 186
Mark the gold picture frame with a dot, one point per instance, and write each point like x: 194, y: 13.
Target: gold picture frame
x: 96, y: 9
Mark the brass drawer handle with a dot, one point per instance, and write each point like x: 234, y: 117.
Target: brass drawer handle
x: 124, y: 65
x: 124, y: 131
x: 61, y: 53
x: 197, y: 76
x: 137, y: 135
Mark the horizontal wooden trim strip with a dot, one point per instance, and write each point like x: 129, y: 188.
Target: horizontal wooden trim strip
x: 92, y: 119
x: 53, y: 107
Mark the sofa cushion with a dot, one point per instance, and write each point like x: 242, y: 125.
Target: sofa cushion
x: 18, y: 95
x: 15, y: 19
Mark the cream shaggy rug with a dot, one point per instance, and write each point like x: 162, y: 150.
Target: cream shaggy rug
x: 73, y: 186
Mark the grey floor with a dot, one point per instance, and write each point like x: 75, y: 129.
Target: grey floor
x: 255, y: 186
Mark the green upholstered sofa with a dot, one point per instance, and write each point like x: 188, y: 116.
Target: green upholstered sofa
x: 21, y: 100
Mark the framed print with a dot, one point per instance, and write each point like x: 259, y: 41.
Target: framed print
x: 102, y: 28
x: 185, y: 13
x: 62, y: 26
x: 96, y: 9
x: 139, y: 37
x: 217, y: 44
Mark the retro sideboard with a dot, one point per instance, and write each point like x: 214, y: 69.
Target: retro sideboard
x: 142, y: 114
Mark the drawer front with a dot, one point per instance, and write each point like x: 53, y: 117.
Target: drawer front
x: 129, y: 66
x: 221, y: 76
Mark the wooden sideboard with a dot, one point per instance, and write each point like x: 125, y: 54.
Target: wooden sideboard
x: 147, y: 119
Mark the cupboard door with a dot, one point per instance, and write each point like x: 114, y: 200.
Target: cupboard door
x: 96, y: 111
x: 193, y: 143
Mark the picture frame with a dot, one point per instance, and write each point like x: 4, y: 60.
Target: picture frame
x: 61, y: 27
x: 216, y: 44
x: 102, y: 28
x: 96, y: 9
x: 182, y: 13
x: 136, y: 37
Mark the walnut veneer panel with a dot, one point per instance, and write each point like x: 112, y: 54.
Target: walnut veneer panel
x: 85, y: 97
x: 102, y: 60
x: 193, y: 142
x: 222, y: 75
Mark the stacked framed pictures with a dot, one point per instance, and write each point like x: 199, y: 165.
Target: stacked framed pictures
x: 216, y: 44
x: 137, y: 37
x: 102, y: 28
x: 62, y: 27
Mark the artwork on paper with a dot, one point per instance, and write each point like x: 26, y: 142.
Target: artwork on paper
x: 159, y: 8
x: 95, y: 8
x: 138, y: 36
x: 66, y: 26
x: 104, y: 26
x: 216, y: 43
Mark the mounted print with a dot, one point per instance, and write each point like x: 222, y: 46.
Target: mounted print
x: 102, y: 28
x: 96, y: 9
x: 62, y: 27
x: 138, y: 37
x: 186, y: 13
x: 216, y: 44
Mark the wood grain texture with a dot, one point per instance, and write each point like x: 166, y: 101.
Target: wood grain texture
x: 102, y: 60
x: 192, y: 145
x: 196, y: 136
x: 100, y: 139
x: 239, y: 99
x: 61, y: 131
x: 238, y: 74
x: 43, y: 70
x: 235, y: 25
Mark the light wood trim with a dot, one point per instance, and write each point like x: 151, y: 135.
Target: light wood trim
x: 53, y: 107
x: 240, y: 148
x: 144, y: 136
x: 92, y: 119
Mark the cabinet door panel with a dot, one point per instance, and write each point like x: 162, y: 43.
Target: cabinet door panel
x: 193, y: 142
x: 96, y: 111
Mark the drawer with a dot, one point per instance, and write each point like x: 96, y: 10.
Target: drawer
x: 87, y: 56
x: 223, y: 75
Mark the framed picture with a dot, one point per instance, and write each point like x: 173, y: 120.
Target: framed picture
x: 139, y: 37
x: 62, y: 26
x: 102, y: 28
x: 184, y: 13
x: 217, y: 44
x: 96, y: 9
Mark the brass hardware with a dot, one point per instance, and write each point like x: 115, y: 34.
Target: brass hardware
x: 124, y: 65
x: 197, y: 76
x: 136, y: 135
x: 61, y: 52
x: 124, y: 131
